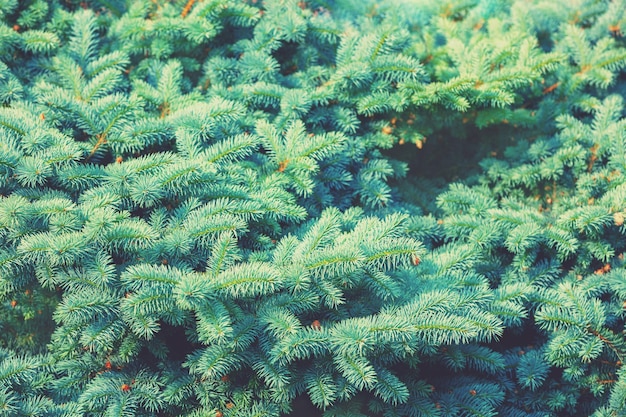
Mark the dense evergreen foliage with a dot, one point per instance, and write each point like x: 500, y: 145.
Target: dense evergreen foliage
x: 380, y: 208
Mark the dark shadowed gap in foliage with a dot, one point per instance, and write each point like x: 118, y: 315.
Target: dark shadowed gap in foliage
x: 518, y: 337
x: 447, y: 157
x: 27, y: 321
x: 176, y: 342
x: 303, y: 407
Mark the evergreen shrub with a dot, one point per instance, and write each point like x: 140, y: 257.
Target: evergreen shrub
x: 372, y: 208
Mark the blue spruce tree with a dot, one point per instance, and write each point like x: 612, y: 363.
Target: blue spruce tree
x: 261, y: 207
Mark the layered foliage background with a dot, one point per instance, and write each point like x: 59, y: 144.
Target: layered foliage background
x: 229, y: 208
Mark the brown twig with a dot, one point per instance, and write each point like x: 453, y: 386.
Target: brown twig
x: 607, y: 342
x: 187, y: 8
x: 101, y: 141
x: 553, y: 87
